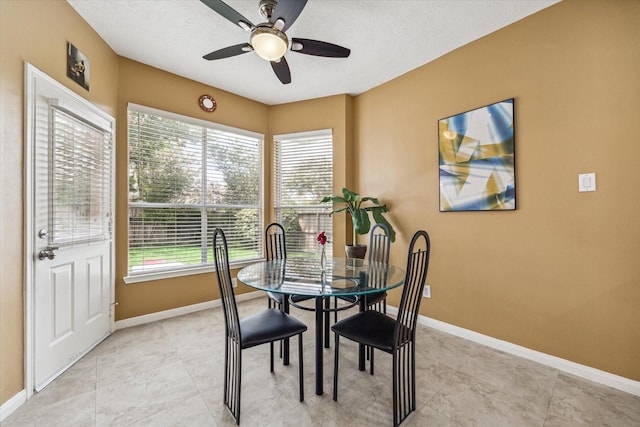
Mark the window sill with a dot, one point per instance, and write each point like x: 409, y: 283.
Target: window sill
x: 168, y: 274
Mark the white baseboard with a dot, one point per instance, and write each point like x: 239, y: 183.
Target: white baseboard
x: 167, y: 314
x: 621, y: 383
x: 8, y: 407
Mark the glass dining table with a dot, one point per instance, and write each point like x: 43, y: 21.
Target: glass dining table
x: 304, y: 277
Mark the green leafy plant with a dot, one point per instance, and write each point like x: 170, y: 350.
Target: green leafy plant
x: 359, y: 208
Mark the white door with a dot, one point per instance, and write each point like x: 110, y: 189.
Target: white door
x: 72, y: 174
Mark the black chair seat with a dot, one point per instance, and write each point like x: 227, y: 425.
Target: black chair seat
x: 275, y: 297
x: 375, y: 298
x: 348, y: 298
x: 300, y: 298
x: 279, y: 298
x: 268, y: 326
x: 372, y: 299
x: 370, y: 328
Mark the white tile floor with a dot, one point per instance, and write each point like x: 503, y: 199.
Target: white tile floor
x: 170, y: 373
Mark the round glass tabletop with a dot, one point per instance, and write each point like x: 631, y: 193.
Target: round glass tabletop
x: 304, y: 276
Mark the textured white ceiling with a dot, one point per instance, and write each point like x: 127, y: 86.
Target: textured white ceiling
x: 386, y: 38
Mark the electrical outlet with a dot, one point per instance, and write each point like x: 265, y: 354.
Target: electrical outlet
x: 427, y: 291
x: 234, y: 282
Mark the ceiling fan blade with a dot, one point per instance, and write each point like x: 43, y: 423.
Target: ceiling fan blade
x: 288, y: 11
x: 228, y: 52
x: 318, y: 48
x: 281, y: 68
x: 230, y: 13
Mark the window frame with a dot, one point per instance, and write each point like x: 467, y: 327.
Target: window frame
x: 203, y: 203
x: 324, y: 209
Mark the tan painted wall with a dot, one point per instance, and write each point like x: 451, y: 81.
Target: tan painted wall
x: 333, y: 112
x: 151, y: 87
x: 560, y: 274
x: 36, y: 32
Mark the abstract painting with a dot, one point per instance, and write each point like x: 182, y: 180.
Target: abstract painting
x: 477, y: 159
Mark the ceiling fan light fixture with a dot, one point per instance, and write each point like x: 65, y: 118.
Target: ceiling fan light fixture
x: 269, y: 43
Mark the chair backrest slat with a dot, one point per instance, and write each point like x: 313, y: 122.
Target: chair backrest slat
x: 221, y: 257
x: 274, y: 242
x: 415, y: 279
x: 379, y: 243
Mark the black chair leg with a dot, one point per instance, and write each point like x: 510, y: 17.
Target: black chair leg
x: 273, y: 304
x: 238, y: 384
x: 396, y: 391
x: 301, y: 369
x: 335, y: 371
x: 327, y: 322
x: 281, y: 341
x: 371, y: 361
x: 233, y: 378
x: 271, y: 355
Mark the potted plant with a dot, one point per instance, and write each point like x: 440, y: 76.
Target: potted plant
x: 359, y: 208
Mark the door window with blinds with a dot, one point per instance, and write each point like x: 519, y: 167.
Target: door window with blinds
x: 187, y: 177
x: 303, y: 175
x: 80, y: 180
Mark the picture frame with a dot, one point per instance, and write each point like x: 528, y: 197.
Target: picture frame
x: 476, y: 151
x: 77, y: 66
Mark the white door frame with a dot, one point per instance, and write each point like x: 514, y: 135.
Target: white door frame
x: 31, y: 74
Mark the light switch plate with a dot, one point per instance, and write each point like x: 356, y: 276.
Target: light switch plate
x: 587, y: 182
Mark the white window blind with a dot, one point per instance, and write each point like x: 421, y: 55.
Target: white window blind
x: 187, y: 177
x: 303, y: 174
x: 80, y: 180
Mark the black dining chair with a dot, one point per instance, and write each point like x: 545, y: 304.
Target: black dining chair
x: 379, y: 250
x: 394, y: 336
x: 275, y: 247
x: 264, y: 327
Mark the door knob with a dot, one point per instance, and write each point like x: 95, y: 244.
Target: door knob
x: 48, y: 252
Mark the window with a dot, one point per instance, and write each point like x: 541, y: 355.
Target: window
x: 303, y: 173
x: 80, y: 179
x: 186, y: 177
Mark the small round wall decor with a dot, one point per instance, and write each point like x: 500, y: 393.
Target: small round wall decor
x: 207, y: 103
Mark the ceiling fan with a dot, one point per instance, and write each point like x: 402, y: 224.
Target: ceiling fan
x: 268, y: 39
